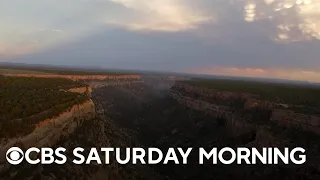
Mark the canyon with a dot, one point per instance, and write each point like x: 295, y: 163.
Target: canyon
x: 196, y: 117
x: 165, y: 112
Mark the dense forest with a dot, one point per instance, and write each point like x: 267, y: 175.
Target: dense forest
x: 22, y: 99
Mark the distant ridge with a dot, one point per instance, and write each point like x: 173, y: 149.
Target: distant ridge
x: 256, y: 79
x: 57, y: 68
x: 100, y: 70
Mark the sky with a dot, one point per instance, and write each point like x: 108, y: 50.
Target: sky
x: 254, y: 38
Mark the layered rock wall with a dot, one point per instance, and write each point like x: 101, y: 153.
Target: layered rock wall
x: 279, y: 113
x: 48, y: 132
x: 213, y: 93
x: 212, y: 109
x: 236, y: 124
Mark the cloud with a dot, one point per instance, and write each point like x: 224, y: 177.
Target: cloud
x: 281, y: 20
x: 51, y: 23
x: 244, y: 37
x: 293, y: 20
x: 24, y: 22
x: 160, y: 15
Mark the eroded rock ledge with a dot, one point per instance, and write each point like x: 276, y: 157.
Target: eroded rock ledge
x: 87, y: 90
x: 49, y: 131
x: 217, y: 104
x: 213, y: 93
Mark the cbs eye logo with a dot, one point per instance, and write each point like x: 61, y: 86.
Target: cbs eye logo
x: 14, y: 155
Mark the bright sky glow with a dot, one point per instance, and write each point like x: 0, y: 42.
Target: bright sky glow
x: 268, y: 38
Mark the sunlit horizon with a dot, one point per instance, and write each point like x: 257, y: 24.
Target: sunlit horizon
x: 255, y: 38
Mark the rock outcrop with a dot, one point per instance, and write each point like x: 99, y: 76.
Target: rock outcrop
x: 213, y: 93
x: 82, y: 90
x: 201, y: 99
x: 266, y: 138
x: 99, y: 84
x: 48, y: 132
x: 289, y: 118
x: 212, y: 109
x: 252, y: 104
x: 236, y: 124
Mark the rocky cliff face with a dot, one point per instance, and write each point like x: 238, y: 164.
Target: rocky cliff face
x: 48, y: 132
x: 99, y: 84
x: 100, y: 131
x: 289, y: 118
x: 82, y: 90
x: 259, y: 104
x: 209, y: 101
x: 213, y: 93
x: 266, y: 138
x: 243, y: 125
x: 236, y: 124
x: 212, y: 109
